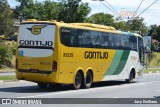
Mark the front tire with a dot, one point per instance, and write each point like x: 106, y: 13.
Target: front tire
x: 131, y: 77
x: 77, y: 81
x: 88, y: 80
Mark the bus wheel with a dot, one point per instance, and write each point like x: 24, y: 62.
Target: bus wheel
x: 77, y: 81
x: 88, y: 80
x: 131, y: 77
x: 42, y: 85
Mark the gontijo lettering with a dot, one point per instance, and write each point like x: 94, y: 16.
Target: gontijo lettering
x: 35, y: 43
x: 95, y: 55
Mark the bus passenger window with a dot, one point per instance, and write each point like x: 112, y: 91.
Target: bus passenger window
x: 84, y: 38
x: 68, y: 37
x: 95, y: 39
x: 133, y: 42
x: 104, y: 40
x: 115, y: 41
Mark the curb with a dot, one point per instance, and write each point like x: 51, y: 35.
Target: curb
x: 7, y: 71
x: 151, y: 72
x: 5, y: 81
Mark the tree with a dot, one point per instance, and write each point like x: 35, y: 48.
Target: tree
x: 101, y: 18
x: 46, y: 10
x: 73, y: 10
x: 19, y: 11
x: 121, y: 25
x: 155, y: 32
x: 138, y: 25
x: 158, y: 33
x: 6, y: 18
x: 4, y: 3
x: 65, y: 10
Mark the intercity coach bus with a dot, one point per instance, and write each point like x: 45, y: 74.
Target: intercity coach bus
x: 51, y: 52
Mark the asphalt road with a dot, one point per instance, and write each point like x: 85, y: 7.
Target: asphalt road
x: 146, y: 87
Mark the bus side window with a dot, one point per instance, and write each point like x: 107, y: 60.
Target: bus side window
x: 95, y: 39
x: 68, y: 37
x: 141, y: 50
x: 65, y: 36
x: 133, y: 42
x: 104, y: 40
x: 115, y: 41
x: 84, y: 38
x: 124, y: 42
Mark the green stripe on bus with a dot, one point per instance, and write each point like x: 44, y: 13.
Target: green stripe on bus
x: 122, y: 63
x: 115, y: 62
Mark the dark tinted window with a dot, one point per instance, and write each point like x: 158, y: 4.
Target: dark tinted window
x: 133, y: 42
x: 105, y: 40
x: 124, y: 42
x: 69, y: 37
x: 94, y: 39
x: 83, y: 38
x: 140, y: 43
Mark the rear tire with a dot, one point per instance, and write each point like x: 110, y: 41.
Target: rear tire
x: 77, y: 81
x: 131, y: 77
x: 42, y: 85
x: 88, y: 80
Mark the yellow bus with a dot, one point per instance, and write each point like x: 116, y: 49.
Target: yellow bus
x: 50, y: 52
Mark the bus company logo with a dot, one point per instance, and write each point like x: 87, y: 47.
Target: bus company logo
x: 36, y: 30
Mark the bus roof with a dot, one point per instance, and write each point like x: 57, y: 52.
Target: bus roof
x: 84, y: 25
x: 130, y: 33
x: 94, y: 26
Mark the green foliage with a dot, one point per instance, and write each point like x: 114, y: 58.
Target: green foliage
x: 101, y: 18
x: 13, y: 48
x: 153, y: 47
x: 28, y: 9
x: 120, y: 25
x: 6, y: 52
x: 19, y: 11
x: 4, y: 3
x: 65, y: 10
x: 8, y: 77
x: 73, y: 11
x: 155, y: 32
x: 138, y: 25
x: 6, y: 18
x: 155, y: 59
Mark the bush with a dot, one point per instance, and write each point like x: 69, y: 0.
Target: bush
x: 13, y: 48
x: 6, y: 53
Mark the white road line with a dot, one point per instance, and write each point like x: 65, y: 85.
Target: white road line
x: 89, y: 90
x: 103, y: 99
x: 157, y: 90
x: 16, y: 81
x: 116, y: 97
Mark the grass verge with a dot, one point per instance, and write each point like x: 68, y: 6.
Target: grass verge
x: 8, y: 78
x: 155, y: 59
x: 151, y: 70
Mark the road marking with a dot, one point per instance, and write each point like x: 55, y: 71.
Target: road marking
x: 14, y: 81
x: 116, y: 97
x: 90, y: 90
x: 157, y: 90
x: 104, y: 99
